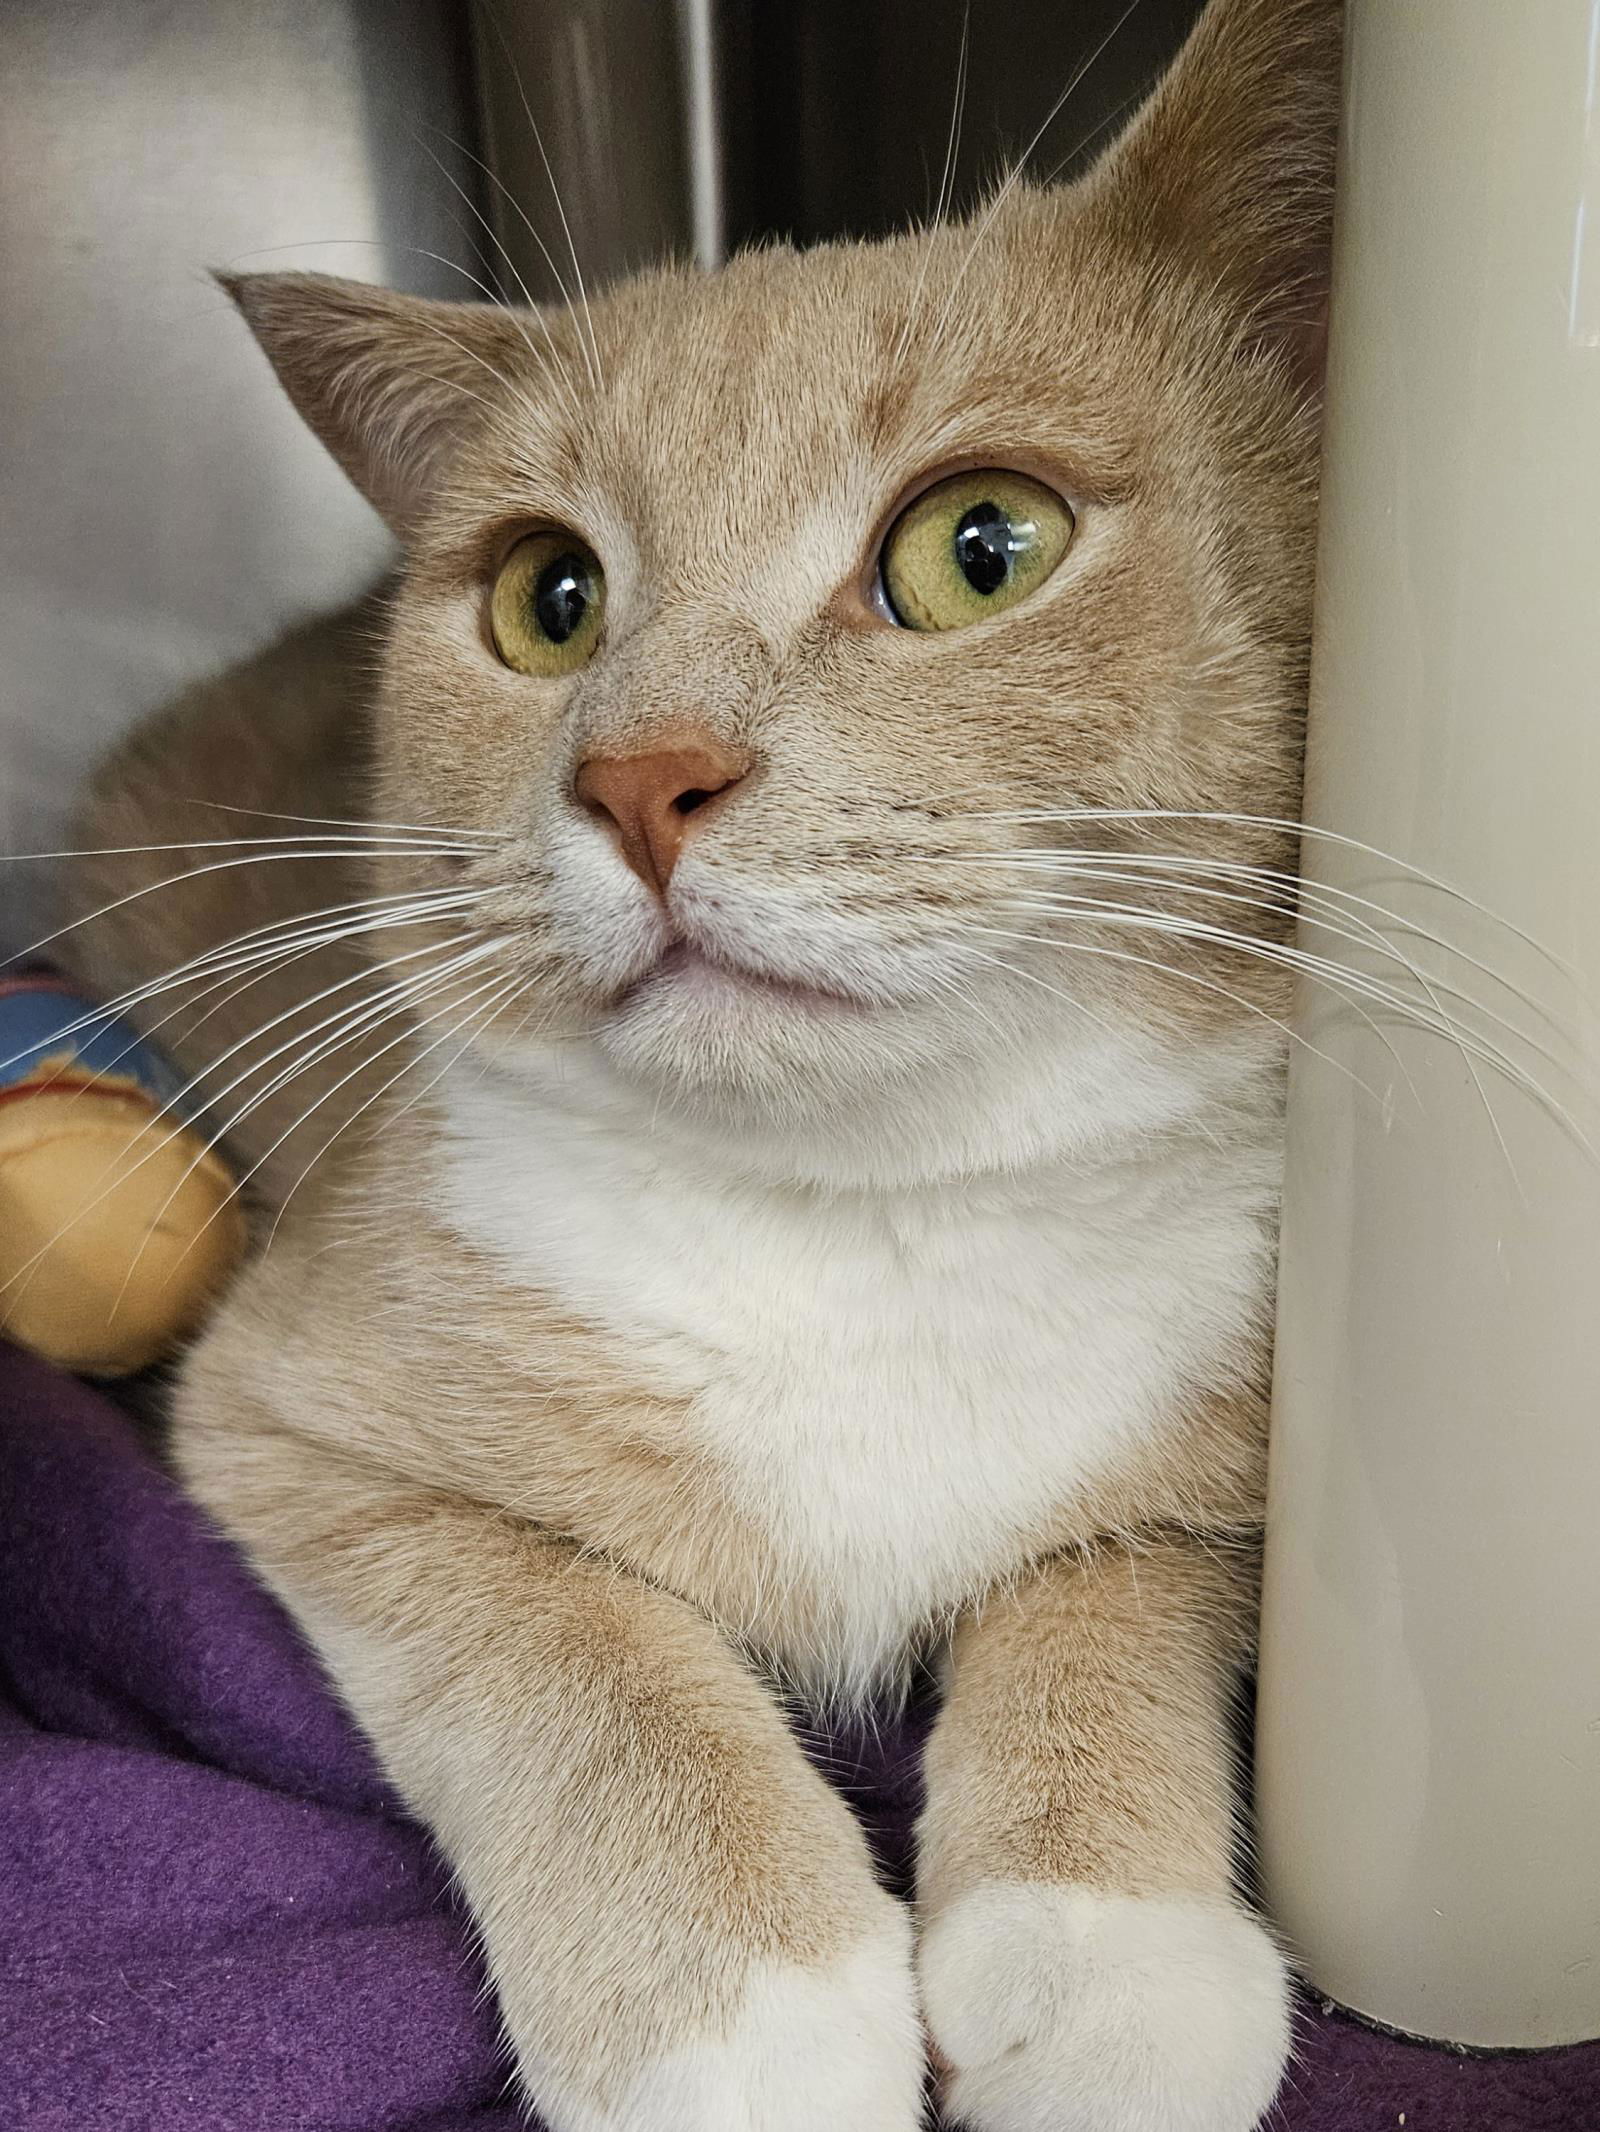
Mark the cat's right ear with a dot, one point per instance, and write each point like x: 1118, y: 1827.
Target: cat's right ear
x: 1230, y: 165
x: 389, y: 383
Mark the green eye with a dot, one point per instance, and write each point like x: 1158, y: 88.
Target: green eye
x: 547, y: 604
x: 971, y: 546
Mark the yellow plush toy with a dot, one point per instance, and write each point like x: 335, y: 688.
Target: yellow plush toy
x: 117, y: 1221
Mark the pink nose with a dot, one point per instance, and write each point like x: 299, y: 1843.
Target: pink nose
x: 650, y: 802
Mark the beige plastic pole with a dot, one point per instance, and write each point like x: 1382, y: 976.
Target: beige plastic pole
x: 1429, y: 1739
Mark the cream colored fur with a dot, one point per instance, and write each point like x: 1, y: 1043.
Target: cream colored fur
x: 668, y: 1331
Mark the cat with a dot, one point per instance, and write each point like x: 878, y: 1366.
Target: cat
x: 796, y: 1164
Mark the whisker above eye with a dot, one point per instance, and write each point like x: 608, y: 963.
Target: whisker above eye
x: 1013, y: 177
x: 946, y: 193
x: 592, y: 352
x: 559, y: 379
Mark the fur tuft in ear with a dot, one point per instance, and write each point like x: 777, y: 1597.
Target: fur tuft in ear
x: 389, y: 383
x: 1231, y: 164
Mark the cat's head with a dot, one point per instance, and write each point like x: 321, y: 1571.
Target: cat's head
x: 821, y: 653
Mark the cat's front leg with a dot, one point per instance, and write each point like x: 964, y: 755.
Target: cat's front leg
x: 680, y: 1918
x: 1085, y: 1965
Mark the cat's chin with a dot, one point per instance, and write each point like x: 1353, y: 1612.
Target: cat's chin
x: 729, y: 1033
x: 710, y: 985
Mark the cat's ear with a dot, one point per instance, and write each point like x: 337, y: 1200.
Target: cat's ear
x: 389, y: 383
x: 1231, y: 164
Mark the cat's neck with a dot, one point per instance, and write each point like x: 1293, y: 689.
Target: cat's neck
x: 1059, y: 1125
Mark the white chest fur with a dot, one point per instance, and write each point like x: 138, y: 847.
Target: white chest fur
x: 897, y: 1388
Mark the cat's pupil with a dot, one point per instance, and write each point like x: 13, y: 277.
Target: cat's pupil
x: 561, y: 597
x: 984, y: 543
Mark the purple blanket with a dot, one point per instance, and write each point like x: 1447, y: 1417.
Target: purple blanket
x: 213, y: 1915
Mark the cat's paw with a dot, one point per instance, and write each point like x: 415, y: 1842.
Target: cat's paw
x: 1061, y: 2009
x: 840, y: 2047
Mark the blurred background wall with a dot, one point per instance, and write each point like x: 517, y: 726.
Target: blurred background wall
x: 161, y: 510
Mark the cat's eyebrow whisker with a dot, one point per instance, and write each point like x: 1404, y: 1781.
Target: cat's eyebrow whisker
x: 465, y: 392
x: 533, y: 310
x: 1085, y: 140
x: 592, y: 351
x: 508, y: 385
x: 946, y: 189
x: 1013, y: 177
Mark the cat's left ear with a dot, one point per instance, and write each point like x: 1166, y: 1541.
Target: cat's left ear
x: 390, y: 383
x: 1231, y: 164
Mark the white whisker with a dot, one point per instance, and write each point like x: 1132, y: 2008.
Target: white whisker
x: 1359, y: 934
x: 1334, y: 976
x: 1287, y: 827
x: 1166, y: 969
x: 245, y: 950
x: 414, y: 990
x: 1014, y: 175
x: 479, y: 1012
x: 559, y: 378
x: 946, y: 186
x: 24, y: 1271
x: 339, y: 821
x: 149, y: 888
x: 555, y: 194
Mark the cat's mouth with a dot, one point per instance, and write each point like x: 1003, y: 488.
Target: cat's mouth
x: 692, y: 970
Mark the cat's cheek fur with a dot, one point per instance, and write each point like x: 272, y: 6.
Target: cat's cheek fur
x: 838, y: 2047
x: 1065, y: 2009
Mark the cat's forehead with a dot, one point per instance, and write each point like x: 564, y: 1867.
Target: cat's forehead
x: 774, y: 409
x: 737, y: 409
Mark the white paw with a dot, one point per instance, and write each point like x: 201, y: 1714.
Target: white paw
x: 839, y: 2047
x: 1065, y: 2010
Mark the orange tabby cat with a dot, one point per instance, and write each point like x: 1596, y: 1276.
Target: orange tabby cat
x: 803, y: 1189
